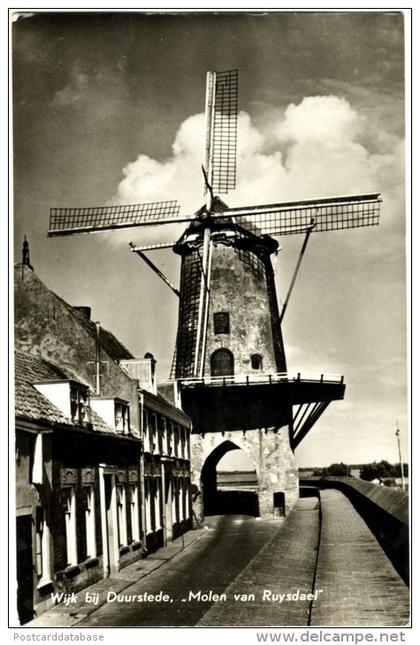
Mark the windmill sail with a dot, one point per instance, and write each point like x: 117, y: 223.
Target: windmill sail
x: 222, y: 250
x: 289, y: 218
x: 69, y: 221
x: 186, y: 343
x: 152, y: 247
x: 221, y: 132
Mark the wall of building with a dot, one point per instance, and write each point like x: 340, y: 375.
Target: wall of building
x: 47, y: 326
x: 239, y: 286
x: 166, y: 436
x: 31, y: 498
x: 93, y: 458
x: 76, y: 460
x: 271, y: 456
x: 27, y: 495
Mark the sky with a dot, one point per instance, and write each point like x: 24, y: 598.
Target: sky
x: 108, y: 108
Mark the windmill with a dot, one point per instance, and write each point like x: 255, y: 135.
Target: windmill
x: 229, y: 358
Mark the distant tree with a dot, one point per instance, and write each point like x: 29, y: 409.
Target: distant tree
x: 368, y: 472
x: 317, y: 472
x: 377, y: 470
x: 337, y: 470
x: 396, y: 470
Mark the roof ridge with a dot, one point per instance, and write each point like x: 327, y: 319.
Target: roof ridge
x: 121, y: 352
x: 64, y: 372
x: 33, y: 405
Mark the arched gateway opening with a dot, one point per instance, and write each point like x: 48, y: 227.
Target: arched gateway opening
x: 232, y: 491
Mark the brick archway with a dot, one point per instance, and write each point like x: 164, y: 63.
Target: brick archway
x: 216, y: 502
x: 269, y: 451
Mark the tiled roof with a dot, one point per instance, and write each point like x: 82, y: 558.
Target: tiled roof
x: 32, y: 405
x: 109, y: 343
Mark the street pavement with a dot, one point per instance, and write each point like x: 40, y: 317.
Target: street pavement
x: 239, y: 570
x: 209, y: 565
x: 360, y: 585
x: 280, y: 577
x: 72, y: 613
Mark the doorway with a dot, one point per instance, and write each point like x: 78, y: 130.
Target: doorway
x: 232, y: 491
x: 25, y: 568
x: 168, y: 504
x: 110, y: 535
x: 222, y: 363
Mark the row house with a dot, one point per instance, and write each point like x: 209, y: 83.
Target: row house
x: 72, y: 470
x: 102, y: 457
x: 166, y: 456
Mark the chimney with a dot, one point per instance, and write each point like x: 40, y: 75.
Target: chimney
x: 86, y: 311
x: 143, y: 370
x: 25, y: 254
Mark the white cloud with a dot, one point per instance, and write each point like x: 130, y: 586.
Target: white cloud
x: 320, y: 151
x: 179, y: 177
x: 329, y: 120
x: 323, y: 146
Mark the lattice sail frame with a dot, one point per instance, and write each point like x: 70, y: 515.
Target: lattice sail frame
x: 69, y: 221
x: 286, y: 218
x: 221, y: 129
x: 291, y: 218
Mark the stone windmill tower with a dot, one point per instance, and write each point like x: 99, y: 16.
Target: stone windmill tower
x: 229, y: 362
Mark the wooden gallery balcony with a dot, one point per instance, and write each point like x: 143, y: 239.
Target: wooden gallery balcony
x: 269, y: 401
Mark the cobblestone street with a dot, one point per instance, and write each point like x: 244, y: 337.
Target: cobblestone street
x: 246, y: 560
x: 209, y: 356
x: 285, y: 566
x: 210, y: 565
x: 361, y: 587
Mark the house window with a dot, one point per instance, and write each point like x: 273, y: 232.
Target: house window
x: 169, y: 437
x: 89, y: 494
x: 146, y: 440
x: 176, y: 440
x: 122, y: 417
x: 160, y: 433
x: 256, y: 362
x: 70, y: 521
x: 221, y: 363
x: 147, y: 495
x: 221, y: 322
x: 174, y: 501
x: 78, y: 405
x: 152, y: 431
x: 187, y: 497
x: 134, y: 512
x: 122, y: 516
x: 183, y: 440
x: 183, y: 499
x: 38, y: 540
x: 42, y: 548
x: 156, y: 502
x: 37, y: 459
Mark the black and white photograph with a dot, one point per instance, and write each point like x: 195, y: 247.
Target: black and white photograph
x: 209, y: 353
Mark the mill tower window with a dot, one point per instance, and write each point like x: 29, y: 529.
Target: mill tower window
x: 221, y: 322
x: 256, y: 362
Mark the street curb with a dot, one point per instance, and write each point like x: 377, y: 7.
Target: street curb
x: 78, y: 618
x: 77, y: 621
